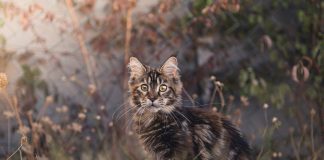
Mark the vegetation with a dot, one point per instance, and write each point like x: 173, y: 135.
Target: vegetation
x: 258, y: 62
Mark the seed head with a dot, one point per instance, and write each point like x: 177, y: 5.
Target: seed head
x: 111, y: 124
x: 24, y: 140
x: 265, y: 106
x: 81, y: 115
x: 274, y: 119
x: 92, y: 89
x: 313, y: 112
x: 3, y: 81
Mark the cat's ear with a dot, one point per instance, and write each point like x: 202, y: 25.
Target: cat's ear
x: 170, y: 67
x: 136, y: 67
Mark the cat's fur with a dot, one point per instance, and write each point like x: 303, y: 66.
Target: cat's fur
x: 169, y: 131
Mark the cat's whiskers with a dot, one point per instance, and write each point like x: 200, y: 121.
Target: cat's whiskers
x: 174, y: 118
x: 132, y: 117
x: 140, y: 128
x: 123, y: 114
x: 118, y: 116
x: 119, y: 109
x: 183, y: 116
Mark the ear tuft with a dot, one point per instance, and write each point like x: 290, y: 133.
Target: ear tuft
x: 136, y: 67
x: 170, y: 67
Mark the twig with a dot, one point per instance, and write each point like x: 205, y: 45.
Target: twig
x: 190, y: 98
x: 20, y: 154
x: 79, y: 35
x: 18, y: 149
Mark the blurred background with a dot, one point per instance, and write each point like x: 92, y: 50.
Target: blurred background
x: 259, y: 62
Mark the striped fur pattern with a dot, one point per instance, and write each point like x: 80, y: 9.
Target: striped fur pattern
x: 169, y: 131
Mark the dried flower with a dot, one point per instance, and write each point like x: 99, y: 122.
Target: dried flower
x: 194, y: 96
x: 130, y: 133
x: 98, y: 117
x: 3, y: 81
x: 231, y: 98
x: 24, y: 130
x: 72, y: 78
x: 313, y: 112
x: 111, y: 124
x: 58, y: 110
x: 56, y: 127
x: 24, y: 140
x: 92, y: 88
x: 47, y: 120
x: 212, y: 78
x: 8, y: 114
x: 265, y: 106
x: 102, y: 107
x: 274, y: 119
x: 76, y: 127
x: 219, y: 84
x: 37, y: 126
x: 299, y: 73
x: 266, y: 41
x: 234, y: 7
x: 245, y: 101
x: 63, y: 78
x: 81, y: 115
x: 49, y: 100
x: 274, y: 154
x: 62, y: 109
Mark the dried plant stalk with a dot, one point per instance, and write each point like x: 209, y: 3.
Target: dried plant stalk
x: 84, y: 51
x: 131, y: 4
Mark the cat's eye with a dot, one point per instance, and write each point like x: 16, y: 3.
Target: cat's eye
x: 144, y: 87
x: 163, y: 88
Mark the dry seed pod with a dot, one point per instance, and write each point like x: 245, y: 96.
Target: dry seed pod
x: 3, y: 81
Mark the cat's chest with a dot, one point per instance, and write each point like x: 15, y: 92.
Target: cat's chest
x: 162, y: 131
x: 159, y: 128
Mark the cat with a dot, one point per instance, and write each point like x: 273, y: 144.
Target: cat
x: 168, y: 130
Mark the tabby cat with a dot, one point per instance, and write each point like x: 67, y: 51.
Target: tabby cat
x: 168, y: 130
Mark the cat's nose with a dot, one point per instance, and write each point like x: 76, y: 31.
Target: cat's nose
x: 152, y: 99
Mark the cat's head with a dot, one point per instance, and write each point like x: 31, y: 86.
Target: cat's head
x: 156, y: 89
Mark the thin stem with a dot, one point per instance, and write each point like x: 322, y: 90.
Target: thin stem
x: 128, y: 35
x: 264, y: 133
x: 20, y: 154
x: 293, y: 144
x: 14, y: 108
x: 84, y: 51
x: 213, y: 97
x: 312, y: 134
x: 9, y: 135
x: 221, y: 96
x: 18, y: 149
x: 190, y: 98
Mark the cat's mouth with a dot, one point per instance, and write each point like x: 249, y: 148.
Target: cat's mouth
x: 154, y: 104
